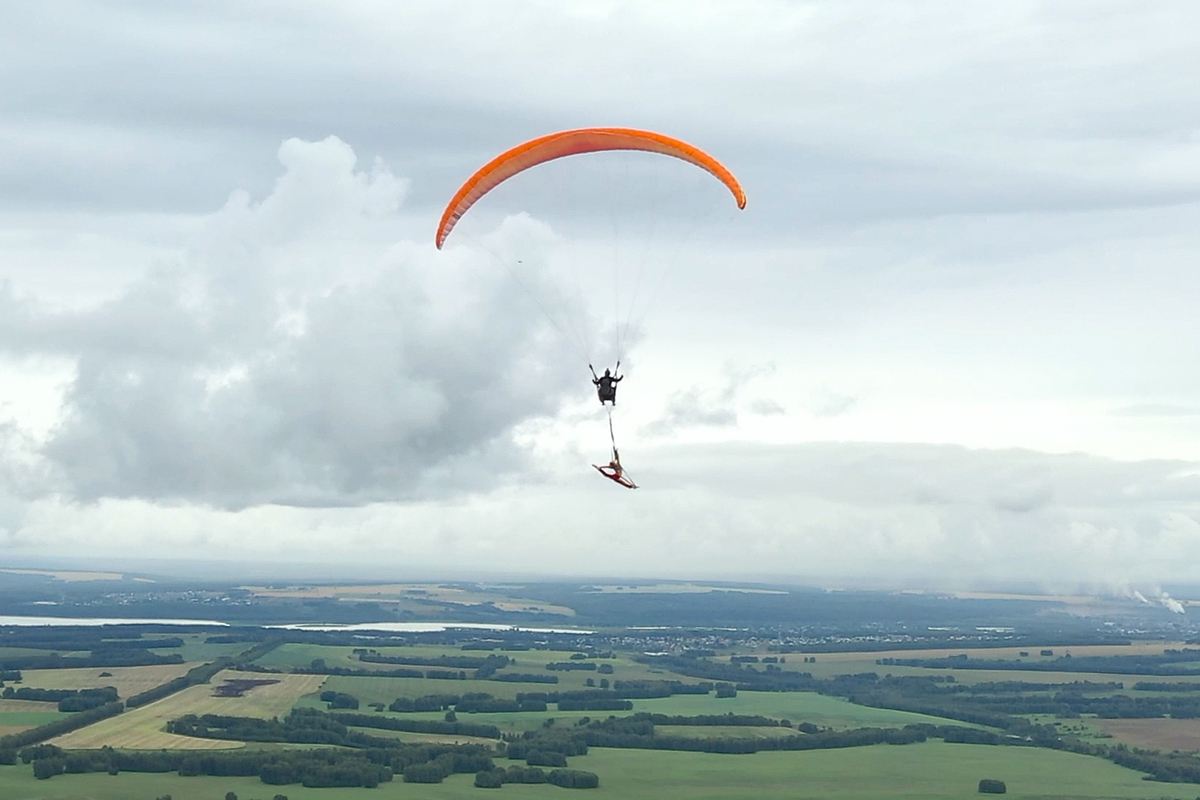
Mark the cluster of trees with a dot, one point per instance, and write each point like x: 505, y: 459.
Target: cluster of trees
x: 1148, y: 686
x: 573, y: 779
x: 566, y: 778
x: 822, y: 740
x: 622, y: 690
x: 1014, y: 687
x: 644, y: 690
x: 116, y: 657
x: 539, y: 744
x: 571, y: 666
x: 446, y: 727
x: 428, y: 702
x: 75, y: 638
x: 473, y: 702
x: 455, y: 662
x: 525, y: 677
x: 67, y: 699
x: 339, y: 699
x: 319, y: 667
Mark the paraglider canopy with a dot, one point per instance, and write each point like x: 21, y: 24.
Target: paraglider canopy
x: 569, y: 143
x: 576, y: 142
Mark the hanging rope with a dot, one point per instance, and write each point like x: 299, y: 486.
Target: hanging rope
x: 612, y: 438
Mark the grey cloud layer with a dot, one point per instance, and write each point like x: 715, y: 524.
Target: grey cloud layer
x: 275, y: 366
x: 912, y: 109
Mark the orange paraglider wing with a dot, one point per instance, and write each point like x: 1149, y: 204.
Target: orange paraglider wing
x: 569, y: 143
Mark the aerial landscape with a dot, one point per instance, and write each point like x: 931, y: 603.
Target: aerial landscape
x: 739, y: 690
x: 720, y: 401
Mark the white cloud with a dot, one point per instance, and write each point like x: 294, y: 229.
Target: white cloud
x: 282, y: 360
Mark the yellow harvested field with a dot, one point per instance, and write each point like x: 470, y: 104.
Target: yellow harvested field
x: 6, y: 730
x: 17, y: 706
x: 128, y: 681
x: 143, y: 728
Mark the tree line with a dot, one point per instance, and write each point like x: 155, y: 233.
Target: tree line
x: 317, y: 768
x: 1170, y: 662
x: 566, y: 778
x: 68, y: 699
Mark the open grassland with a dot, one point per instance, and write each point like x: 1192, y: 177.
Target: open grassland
x: 142, y: 728
x: 127, y: 681
x: 195, y: 648
x: 933, y: 770
x: 19, y: 715
x: 408, y: 737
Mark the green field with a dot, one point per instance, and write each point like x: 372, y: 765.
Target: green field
x: 933, y: 770
x: 196, y: 649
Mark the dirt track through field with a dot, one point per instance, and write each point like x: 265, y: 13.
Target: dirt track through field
x: 143, y: 728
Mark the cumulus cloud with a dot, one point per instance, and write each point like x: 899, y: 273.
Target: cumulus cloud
x: 298, y: 354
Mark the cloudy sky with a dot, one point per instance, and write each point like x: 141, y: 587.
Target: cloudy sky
x: 952, y: 340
